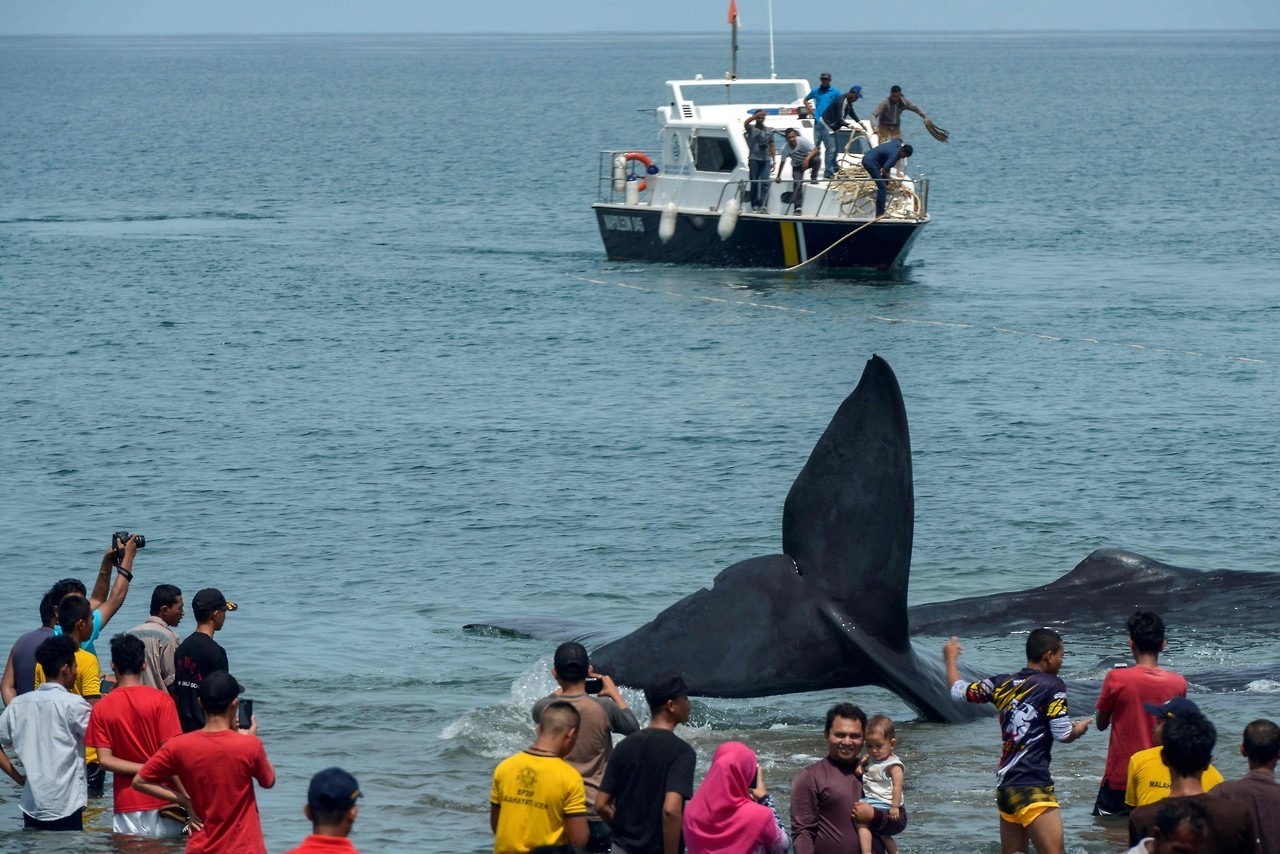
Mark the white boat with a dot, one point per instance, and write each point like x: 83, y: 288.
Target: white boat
x: 684, y: 202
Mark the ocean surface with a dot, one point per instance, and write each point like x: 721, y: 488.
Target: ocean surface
x: 329, y: 321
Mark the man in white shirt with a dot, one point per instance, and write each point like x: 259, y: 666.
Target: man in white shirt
x: 46, y: 729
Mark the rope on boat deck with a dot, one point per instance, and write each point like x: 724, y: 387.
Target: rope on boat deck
x: 834, y: 245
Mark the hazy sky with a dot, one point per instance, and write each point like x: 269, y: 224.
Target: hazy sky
x: 99, y: 17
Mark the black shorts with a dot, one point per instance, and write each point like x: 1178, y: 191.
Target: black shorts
x: 1110, y: 802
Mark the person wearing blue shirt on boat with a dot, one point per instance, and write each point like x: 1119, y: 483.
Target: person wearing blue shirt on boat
x: 834, y: 118
x: 822, y: 95
x: 878, y: 162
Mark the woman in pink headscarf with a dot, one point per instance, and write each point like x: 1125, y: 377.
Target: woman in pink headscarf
x: 732, y: 812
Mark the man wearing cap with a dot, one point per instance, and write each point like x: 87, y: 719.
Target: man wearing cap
x: 1189, y: 740
x: 835, y: 117
x: 199, y: 655
x: 128, y: 726
x: 822, y: 96
x: 650, y: 776
x: 159, y: 637
x: 887, y: 116
x: 1148, y: 779
x: 602, y: 714
x: 332, y: 810
x: 217, y: 766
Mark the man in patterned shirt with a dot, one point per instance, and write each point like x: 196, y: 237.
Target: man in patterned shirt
x: 1033, y: 714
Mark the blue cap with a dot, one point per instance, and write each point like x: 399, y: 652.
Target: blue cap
x: 332, y: 789
x: 1177, y: 707
x: 856, y: 90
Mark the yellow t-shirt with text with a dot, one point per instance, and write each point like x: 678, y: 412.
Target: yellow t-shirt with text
x: 1149, y: 778
x: 88, y: 685
x: 535, y: 795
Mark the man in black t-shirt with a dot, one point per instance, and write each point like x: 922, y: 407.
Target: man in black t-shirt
x: 199, y: 655
x: 650, y: 776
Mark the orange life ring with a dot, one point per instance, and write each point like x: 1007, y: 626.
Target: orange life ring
x: 637, y: 157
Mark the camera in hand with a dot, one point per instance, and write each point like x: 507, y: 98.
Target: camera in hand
x: 119, y: 538
x: 594, y: 684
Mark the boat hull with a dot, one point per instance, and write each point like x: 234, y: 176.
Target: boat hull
x: 630, y: 233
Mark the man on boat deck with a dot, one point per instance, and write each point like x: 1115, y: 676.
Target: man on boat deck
x: 878, y: 162
x: 887, y: 116
x: 822, y: 96
x: 759, y: 161
x: 833, y: 117
x: 800, y: 152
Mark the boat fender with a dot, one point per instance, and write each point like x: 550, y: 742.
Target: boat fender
x: 667, y: 224
x: 619, y: 174
x: 729, y: 219
x: 649, y: 168
x: 633, y: 190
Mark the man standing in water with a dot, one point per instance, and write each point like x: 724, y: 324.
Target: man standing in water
x: 537, y: 798
x: 602, y: 713
x: 158, y: 634
x: 650, y: 777
x: 1033, y: 715
x: 824, y: 796
x: 199, y: 655
x: 1125, y: 691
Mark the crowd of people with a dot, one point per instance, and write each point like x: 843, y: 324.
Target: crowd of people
x: 831, y: 112
x: 573, y: 790
x: 181, y: 745
x: 168, y: 724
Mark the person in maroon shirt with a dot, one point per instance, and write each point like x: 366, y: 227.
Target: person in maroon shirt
x: 332, y: 809
x: 824, y: 796
x: 1258, y: 788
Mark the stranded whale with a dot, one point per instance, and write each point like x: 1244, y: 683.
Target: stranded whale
x: 831, y: 611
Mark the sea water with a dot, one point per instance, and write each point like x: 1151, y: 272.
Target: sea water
x: 329, y: 321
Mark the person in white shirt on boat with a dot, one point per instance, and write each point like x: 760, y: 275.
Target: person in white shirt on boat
x: 800, y: 152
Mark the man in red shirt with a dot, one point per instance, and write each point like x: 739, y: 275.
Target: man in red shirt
x: 128, y: 725
x: 1124, y: 692
x: 217, y: 765
x: 331, y: 806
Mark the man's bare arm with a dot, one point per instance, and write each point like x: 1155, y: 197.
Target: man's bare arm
x: 672, y: 818
x: 120, y: 589
x: 579, y: 833
x: 115, y: 764
x: 9, y: 684
x: 101, y: 585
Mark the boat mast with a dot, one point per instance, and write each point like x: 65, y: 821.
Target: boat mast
x: 773, y: 70
x: 733, y: 21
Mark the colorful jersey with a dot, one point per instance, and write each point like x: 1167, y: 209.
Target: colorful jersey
x: 535, y: 795
x: 1033, y: 714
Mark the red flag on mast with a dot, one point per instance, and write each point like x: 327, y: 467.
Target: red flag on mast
x: 733, y: 11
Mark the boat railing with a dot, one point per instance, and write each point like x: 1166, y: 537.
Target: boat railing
x: 607, y: 189
x: 854, y: 197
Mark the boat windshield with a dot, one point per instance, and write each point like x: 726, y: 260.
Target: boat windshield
x: 711, y: 93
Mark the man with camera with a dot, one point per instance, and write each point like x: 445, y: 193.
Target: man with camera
x: 603, y: 711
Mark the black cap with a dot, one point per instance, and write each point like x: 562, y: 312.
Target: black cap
x: 571, y: 661
x: 219, y: 688
x: 826, y: 75
x: 1178, y: 707
x: 664, y: 688
x: 209, y: 600
x: 331, y: 790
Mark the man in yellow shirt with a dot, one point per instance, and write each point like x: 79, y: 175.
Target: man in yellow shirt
x: 1149, y: 779
x: 75, y: 618
x: 538, y: 798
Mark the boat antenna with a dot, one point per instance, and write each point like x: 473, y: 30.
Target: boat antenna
x: 733, y: 22
x: 773, y: 70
